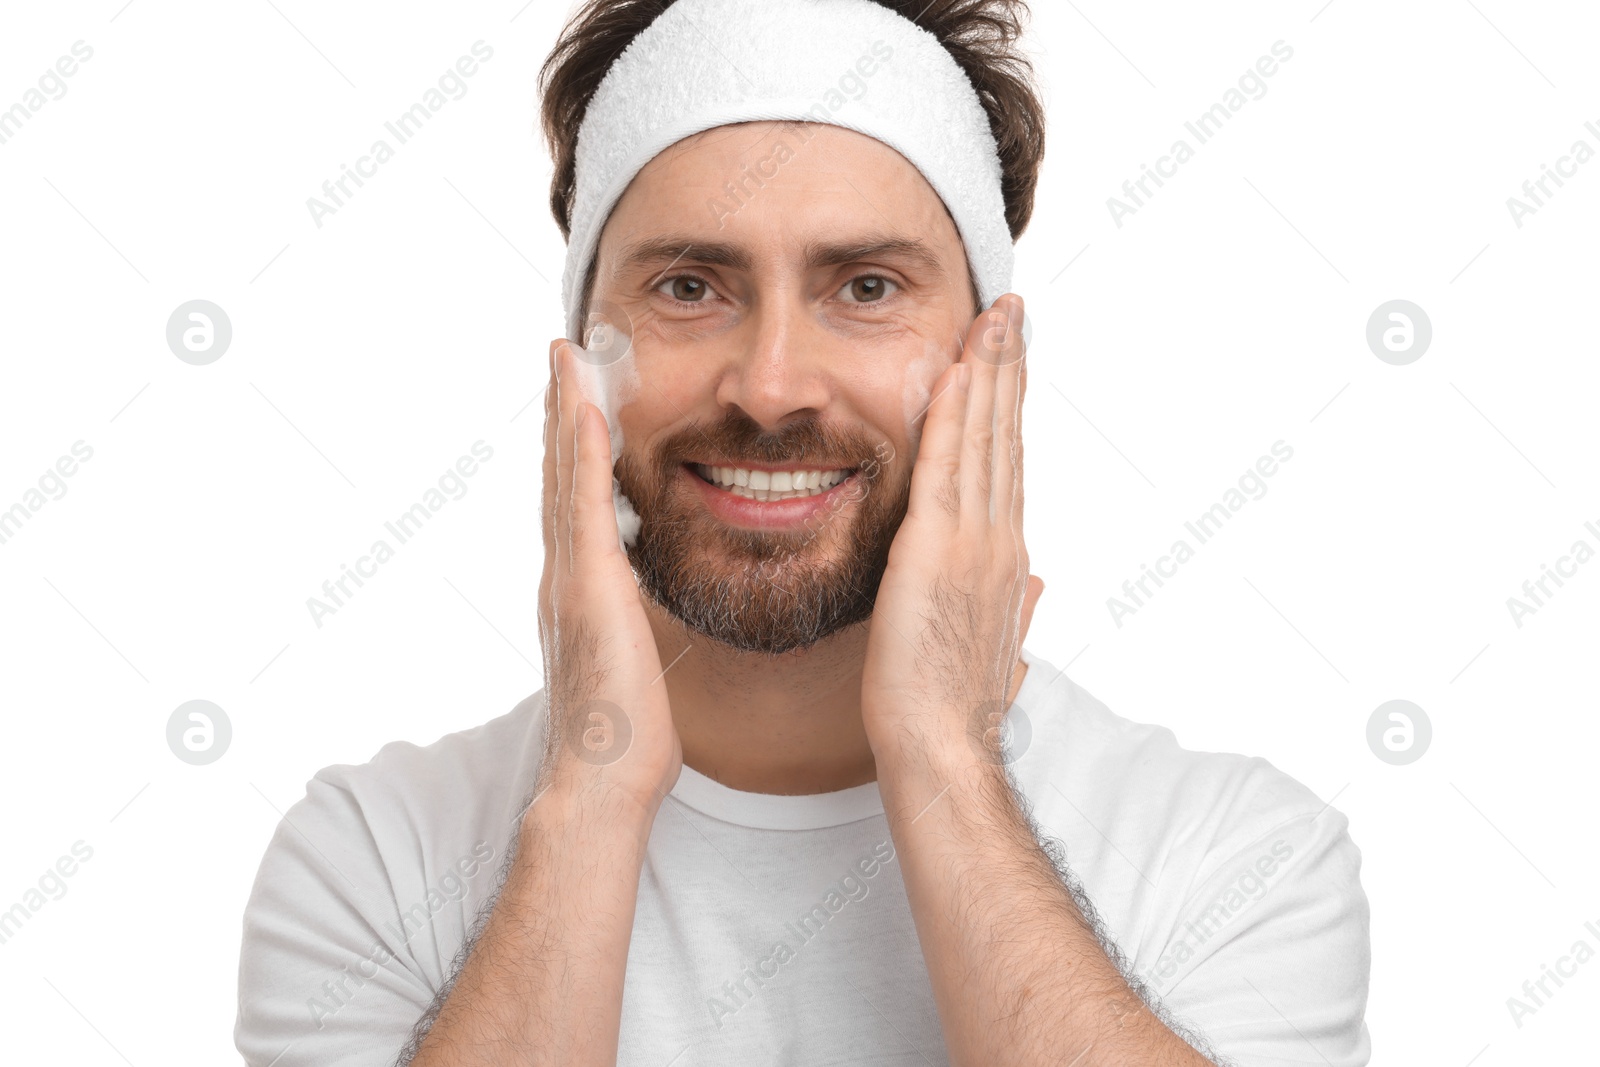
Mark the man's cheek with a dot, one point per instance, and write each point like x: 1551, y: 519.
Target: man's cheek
x: 916, y: 389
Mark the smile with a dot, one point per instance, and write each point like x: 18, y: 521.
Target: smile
x: 768, y: 485
x: 765, y: 498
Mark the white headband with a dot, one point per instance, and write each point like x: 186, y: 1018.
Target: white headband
x: 850, y: 63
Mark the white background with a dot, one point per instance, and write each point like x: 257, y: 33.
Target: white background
x: 1169, y: 353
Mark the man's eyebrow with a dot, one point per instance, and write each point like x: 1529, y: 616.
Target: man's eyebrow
x: 819, y: 254
x: 675, y: 248
x: 672, y: 248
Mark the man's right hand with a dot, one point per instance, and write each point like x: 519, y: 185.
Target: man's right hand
x: 542, y: 981
x: 610, y: 724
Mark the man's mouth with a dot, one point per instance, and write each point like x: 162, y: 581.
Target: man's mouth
x: 766, y: 483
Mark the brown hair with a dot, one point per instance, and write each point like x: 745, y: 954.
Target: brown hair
x: 981, y: 35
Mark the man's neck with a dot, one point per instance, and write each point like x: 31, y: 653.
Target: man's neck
x: 786, y: 724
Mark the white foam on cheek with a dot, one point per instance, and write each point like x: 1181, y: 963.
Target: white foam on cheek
x: 608, y: 387
x: 628, y: 522
x: 917, y: 390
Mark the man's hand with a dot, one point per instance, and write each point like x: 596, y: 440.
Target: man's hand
x: 956, y: 598
x: 542, y: 982
x: 1018, y: 972
x: 610, y: 722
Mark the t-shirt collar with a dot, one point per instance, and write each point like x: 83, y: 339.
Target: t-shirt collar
x: 815, y: 811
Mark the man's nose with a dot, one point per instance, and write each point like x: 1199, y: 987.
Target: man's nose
x: 779, y: 363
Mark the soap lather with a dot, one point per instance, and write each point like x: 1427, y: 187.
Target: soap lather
x: 607, y: 380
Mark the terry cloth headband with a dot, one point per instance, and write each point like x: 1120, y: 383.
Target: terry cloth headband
x: 849, y: 63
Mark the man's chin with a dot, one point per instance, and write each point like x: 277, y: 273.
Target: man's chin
x: 762, y: 591
x: 767, y: 603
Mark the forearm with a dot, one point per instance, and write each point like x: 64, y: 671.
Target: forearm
x: 1018, y: 973
x: 543, y: 983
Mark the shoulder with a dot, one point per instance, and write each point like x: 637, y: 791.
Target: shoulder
x: 1082, y: 753
x: 368, y: 889
x: 368, y: 840
x: 467, y: 777
x: 1209, y: 868
x: 1151, y: 826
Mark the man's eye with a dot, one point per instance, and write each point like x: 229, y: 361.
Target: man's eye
x: 684, y: 288
x: 867, y: 288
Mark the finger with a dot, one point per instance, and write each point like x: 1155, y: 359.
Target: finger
x: 1010, y: 384
x: 547, y: 509
x: 548, y: 493
x: 567, y: 397
x: 935, y: 474
x: 1005, y: 512
x: 986, y: 346
x: 1029, y: 602
x: 594, y: 516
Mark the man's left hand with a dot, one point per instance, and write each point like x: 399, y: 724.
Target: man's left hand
x: 956, y: 598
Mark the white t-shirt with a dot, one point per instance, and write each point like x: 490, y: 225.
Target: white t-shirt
x: 775, y: 929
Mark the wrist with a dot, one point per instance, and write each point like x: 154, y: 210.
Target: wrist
x: 587, y: 804
x: 929, y: 746
x: 919, y: 773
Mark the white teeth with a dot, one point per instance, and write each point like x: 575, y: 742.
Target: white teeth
x: 771, y: 485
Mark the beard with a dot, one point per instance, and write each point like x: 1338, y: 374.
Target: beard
x: 766, y: 591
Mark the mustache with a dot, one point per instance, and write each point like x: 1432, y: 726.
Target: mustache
x: 737, y: 436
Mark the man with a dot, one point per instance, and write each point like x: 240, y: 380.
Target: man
x: 794, y: 792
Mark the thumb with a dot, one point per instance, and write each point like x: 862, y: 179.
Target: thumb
x: 1030, y: 600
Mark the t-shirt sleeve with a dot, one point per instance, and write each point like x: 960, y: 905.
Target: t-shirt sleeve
x: 1270, y: 956
x: 333, y: 971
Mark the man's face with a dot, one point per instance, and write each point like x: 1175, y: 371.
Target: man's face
x: 776, y: 327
